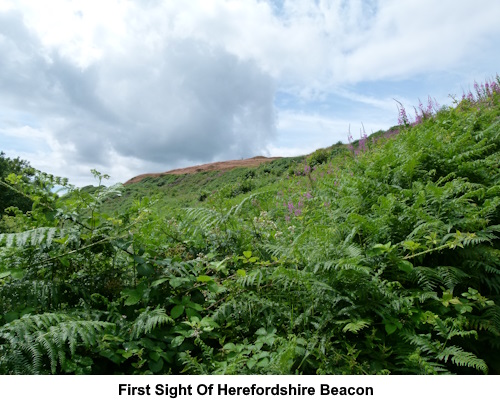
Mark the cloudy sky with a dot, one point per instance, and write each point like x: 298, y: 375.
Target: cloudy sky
x: 134, y: 86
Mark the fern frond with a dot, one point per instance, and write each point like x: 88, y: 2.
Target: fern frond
x: 492, y: 317
x: 423, y: 296
x: 476, y: 264
x: 205, y: 217
x: 427, y: 278
x: 33, y: 237
x: 254, y: 278
x: 418, y: 363
x: 237, y: 208
x: 287, y: 278
x: 280, y: 251
x: 34, y: 337
x: 192, y: 365
x: 356, y: 326
x: 52, y: 348
x: 451, y: 276
x: 462, y: 358
x: 450, y: 328
x: 149, y: 320
x: 423, y: 341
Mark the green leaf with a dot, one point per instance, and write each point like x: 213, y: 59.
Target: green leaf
x: 194, y: 305
x: 145, y: 269
x: 464, y: 308
x: 247, y: 253
x: 177, y: 281
x: 204, y: 279
x: 158, y: 282
x: 4, y: 274
x: 155, y: 356
x: 390, y: 328
x: 177, y: 341
x: 241, y: 273
x: 263, y: 363
x: 133, y: 296
x: 251, y: 363
x: 215, y: 288
x: 230, y: 347
x: 411, y: 245
x: 260, y: 355
x: 127, y: 354
x: 139, y: 259
x: 132, y: 300
x: 149, y: 344
x: 155, y: 366
x: 448, y: 299
x: 406, y: 266
x: 177, y: 311
x: 208, y: 323
x: 17, y: 274
x: 111, y: 355
x: 190, y: 313
x: 379, y: 248
x: 11, y: 316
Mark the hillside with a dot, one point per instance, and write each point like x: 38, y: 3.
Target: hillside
x: 208, y: 167
x: 378, y: 257
x: 193, y: 185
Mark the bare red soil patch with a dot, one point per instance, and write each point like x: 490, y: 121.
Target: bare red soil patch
x: 208, y: 167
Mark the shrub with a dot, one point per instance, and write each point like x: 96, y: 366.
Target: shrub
x: 318, y: 157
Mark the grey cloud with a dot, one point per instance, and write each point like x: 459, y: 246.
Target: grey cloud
x: 21, y: 65
x: 192, y: 101
x: 185, y: 101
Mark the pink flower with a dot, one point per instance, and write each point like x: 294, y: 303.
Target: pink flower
x: 403, y: 117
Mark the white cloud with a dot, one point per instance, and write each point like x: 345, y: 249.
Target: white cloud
x: 301, y: 133
x: 413, y: 37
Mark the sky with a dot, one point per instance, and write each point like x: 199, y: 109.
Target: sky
x: 138, y: 86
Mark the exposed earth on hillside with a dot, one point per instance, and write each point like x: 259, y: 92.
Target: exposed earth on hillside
x: 227, y: 165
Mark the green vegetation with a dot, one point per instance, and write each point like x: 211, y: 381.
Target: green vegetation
x: 9, y: 197
x: 378, y: 258
x: 181, y: 190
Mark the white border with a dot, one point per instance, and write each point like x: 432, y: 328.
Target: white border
x: 387, y: 389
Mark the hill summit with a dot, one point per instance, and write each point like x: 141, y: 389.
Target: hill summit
x: 208, y: 167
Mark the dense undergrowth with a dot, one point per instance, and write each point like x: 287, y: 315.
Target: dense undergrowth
x: 378, y: 258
